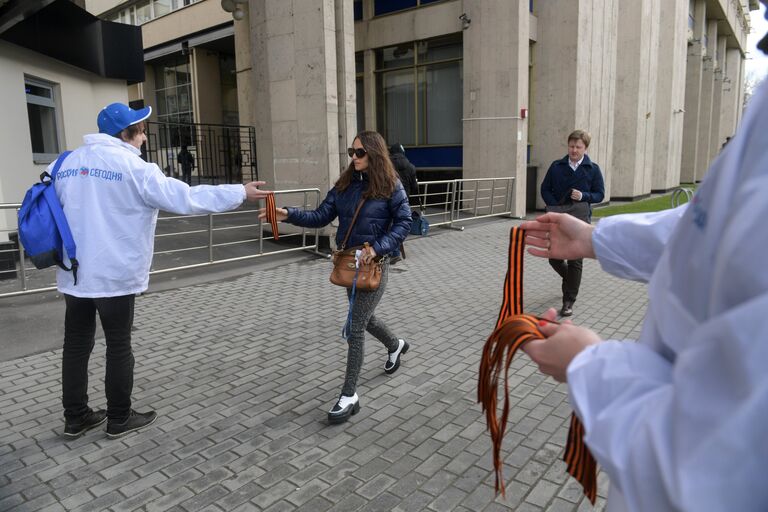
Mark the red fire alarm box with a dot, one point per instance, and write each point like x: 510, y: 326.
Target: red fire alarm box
x: 523, y: 113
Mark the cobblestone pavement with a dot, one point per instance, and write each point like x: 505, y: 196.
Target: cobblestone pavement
x: 242, y: 373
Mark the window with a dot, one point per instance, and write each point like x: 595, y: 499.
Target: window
x: 420, y: 92
x: 173, y: 91
x: 357, y: 7
x: 43, y: 119
x: 387, y: 6
x: 142, y: 11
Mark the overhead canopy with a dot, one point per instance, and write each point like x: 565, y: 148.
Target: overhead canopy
x: 62, y: 30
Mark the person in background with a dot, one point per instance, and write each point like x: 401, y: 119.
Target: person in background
x: 677, y: 420
x: 187, y: 161
x: 111, y: 199
x: 573, y: 182
x: 407, y: 174
x: 383, y: 224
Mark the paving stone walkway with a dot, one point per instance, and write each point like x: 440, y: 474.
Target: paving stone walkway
x: 243, y: 371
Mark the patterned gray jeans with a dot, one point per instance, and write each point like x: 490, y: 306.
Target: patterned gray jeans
x: 363, y: 320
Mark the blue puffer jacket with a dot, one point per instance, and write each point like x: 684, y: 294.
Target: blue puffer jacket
x: 383, y: 223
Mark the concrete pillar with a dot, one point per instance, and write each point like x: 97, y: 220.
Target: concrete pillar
x: 299, y: 116
x: 715, y: 141
x: 369, y: 86
x: 206, y: 85
x: 636, y: 74
x: 670, y: 95
x: 574, y: 76
x: 244, y: 69
x: 495, y: 89
x: 731, y: 85
x: 345, y: 80
x: 693, y: 77
x: 706, y: 103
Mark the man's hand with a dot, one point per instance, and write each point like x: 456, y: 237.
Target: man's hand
x: 559, y: 236
x: 280, y: 214
x: 252, y: 192
x: 576, y: 195
x: 563, y: 342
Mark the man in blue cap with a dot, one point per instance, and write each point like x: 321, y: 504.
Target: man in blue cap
x: 111, y: 198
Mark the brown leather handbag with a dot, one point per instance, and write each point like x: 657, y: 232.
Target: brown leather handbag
x: 349, y: 273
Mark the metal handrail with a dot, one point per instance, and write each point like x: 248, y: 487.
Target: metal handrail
x: 24, y: 272
x: 679, y: 193
x: 446, y: 203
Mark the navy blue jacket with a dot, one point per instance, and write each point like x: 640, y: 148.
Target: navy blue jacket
x: 560, y: 179
x: 383, y: 223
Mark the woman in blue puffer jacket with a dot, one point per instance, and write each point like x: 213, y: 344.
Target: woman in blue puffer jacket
x: 384, y: 222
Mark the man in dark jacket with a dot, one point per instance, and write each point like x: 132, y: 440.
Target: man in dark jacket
x: 572, y: 183
x: 405, y: 170
x: 407, y: 174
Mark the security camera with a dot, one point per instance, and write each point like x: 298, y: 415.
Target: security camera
x: 465, y: 21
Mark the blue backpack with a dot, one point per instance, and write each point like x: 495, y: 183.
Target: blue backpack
x: 43, y: 228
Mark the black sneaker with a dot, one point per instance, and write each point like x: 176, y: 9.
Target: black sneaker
x: 74, y: 429
x: 134, y: 422
x: 393, y: 359
x: 345, y: 407
x: 567, y: 309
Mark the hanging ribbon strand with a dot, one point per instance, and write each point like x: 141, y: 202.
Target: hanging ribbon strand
x: 513, y: 330
x: 271, y: 211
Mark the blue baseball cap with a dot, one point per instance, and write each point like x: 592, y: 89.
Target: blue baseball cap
x: 117, y: 117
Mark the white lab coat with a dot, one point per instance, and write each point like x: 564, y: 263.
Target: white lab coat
x: 679, y: 420
x: 111, y: 198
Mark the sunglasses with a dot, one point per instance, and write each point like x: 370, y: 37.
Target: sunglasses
x: 358, y: 152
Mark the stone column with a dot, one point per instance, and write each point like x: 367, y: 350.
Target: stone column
x: 730, y: 105
x: 670, y: 95
x: 574, y: 72
x: 495, y: 89
x: 693, y: 77
x: 297, y: 109
x: 715, y: 141
x: 206, y: 86
x: 706, y: 103
x: 636, y: 74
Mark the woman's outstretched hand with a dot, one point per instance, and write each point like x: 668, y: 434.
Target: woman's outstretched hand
x: 559, y: 236
x: 280, y: 214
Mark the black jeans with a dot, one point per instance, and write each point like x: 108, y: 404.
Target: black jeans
x: 570, y: 271
x: 116, y: 314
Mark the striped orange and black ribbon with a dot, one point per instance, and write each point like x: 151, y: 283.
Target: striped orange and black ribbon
x: 513, y: 330
x: 272, y: 214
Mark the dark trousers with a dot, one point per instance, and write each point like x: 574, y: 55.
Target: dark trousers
x: 116, y: 314
x: 570, y: 271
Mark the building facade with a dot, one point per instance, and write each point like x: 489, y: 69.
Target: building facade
x: 471, y: 88
x: 50, y: 94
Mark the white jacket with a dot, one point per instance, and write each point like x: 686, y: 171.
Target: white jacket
x: 111, y: 199
x: 679, y: 420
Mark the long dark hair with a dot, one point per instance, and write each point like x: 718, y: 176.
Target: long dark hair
x: 381, y: 174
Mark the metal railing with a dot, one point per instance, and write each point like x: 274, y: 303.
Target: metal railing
x: 185, y: 242
x: 681, y: 195
x: 449, y: 202
x: 205, y: 240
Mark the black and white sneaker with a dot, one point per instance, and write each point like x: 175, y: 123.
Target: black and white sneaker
x: 393, y: 360
x: 344, y: 408
x: 134, y: 422
x: 75, y: 429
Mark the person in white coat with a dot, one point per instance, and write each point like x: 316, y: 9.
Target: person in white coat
x: 111, y: 198
x: 678, y: 420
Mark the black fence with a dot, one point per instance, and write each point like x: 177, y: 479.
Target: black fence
x: 203, y: 153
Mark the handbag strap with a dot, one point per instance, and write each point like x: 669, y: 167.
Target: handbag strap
x: 351, y: 225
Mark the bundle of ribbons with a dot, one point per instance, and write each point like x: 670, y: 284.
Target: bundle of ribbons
x: 513, y: 330
x: 271, y: 211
